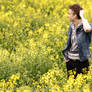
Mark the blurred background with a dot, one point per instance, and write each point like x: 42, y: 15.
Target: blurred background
x: 32, y: 36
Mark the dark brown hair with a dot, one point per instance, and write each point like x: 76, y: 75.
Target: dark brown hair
x: 76, y: 8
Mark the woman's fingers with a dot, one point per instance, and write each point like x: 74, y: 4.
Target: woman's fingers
x: 66, y: 60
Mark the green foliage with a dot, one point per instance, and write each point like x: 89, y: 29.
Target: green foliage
x: 32, y: 36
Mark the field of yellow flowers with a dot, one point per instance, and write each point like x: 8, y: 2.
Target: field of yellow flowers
x: 32, y: 36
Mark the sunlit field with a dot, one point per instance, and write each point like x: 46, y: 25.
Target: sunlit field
x: 33, y: 34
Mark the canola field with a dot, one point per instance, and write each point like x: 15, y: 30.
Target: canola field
x: 32, y: 36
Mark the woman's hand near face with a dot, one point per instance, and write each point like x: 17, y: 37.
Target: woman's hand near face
x: 81, y: 13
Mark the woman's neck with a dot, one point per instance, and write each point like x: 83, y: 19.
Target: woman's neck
x: 76, y: 22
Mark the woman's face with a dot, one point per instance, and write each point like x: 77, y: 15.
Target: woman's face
x: 71, y: 15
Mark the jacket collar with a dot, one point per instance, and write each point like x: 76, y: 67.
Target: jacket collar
x: 72, y: 25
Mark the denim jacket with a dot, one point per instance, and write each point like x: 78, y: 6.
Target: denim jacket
x: 83, y: 42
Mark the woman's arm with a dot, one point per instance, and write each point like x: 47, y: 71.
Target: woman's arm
x: 87, y: 27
